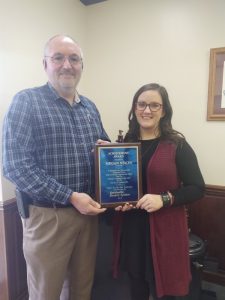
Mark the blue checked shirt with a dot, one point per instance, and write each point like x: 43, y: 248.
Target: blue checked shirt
x: 47, y: 144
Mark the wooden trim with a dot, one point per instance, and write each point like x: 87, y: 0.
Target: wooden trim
x: 7, y: 204
x: 215, y: 190
x: 217, y: 278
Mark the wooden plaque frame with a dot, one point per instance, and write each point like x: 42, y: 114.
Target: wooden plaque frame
x: 118, y: 174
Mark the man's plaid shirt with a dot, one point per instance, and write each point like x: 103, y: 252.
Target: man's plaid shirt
x: 47, y: 144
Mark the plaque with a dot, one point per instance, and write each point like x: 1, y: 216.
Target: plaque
x: 118, y: 174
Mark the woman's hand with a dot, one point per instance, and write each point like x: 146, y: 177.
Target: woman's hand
x: 150, y: 202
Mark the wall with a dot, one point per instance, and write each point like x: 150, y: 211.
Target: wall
x: 167, y: 41
x: 25, y: 27
x: 126, y: 44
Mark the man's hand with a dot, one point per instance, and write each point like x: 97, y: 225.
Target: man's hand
x: 102, y: 142
x: 85, y: 204
x: 125, y: 207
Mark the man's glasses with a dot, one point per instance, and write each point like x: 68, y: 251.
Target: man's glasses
x: 59, y: 59
x: 153, y: 106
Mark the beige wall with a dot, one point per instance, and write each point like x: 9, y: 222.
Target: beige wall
x: 25, y: 27
x: 126, y: 44
x: 167, y: 41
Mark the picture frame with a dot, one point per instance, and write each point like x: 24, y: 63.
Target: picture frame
x: 216, y: 86
x: 118, y: 174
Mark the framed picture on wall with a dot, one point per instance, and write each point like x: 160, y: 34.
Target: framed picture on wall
x: 216, y: 88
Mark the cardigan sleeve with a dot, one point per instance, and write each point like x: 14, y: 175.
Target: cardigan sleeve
x: 193, y: 186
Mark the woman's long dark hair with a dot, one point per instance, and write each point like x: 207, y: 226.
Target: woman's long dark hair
x: 165, y: 126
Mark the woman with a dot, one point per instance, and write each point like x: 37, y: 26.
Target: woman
x: 153, y: 238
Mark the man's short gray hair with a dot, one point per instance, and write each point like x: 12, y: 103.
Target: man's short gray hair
x: 61, y: 35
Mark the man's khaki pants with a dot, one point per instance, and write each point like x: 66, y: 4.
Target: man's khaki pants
x: 56, y: 240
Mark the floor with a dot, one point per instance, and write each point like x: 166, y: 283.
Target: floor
x: 212, y: 290
x: 106, y: 288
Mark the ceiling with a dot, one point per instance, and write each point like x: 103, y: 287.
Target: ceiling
x: 90, y: 2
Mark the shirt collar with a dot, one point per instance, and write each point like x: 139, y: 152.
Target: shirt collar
x: 57, y: 96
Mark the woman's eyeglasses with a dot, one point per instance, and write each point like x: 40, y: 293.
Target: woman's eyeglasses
x: 153, y: 106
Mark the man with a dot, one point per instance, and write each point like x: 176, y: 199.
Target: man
x: 48, y: 139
